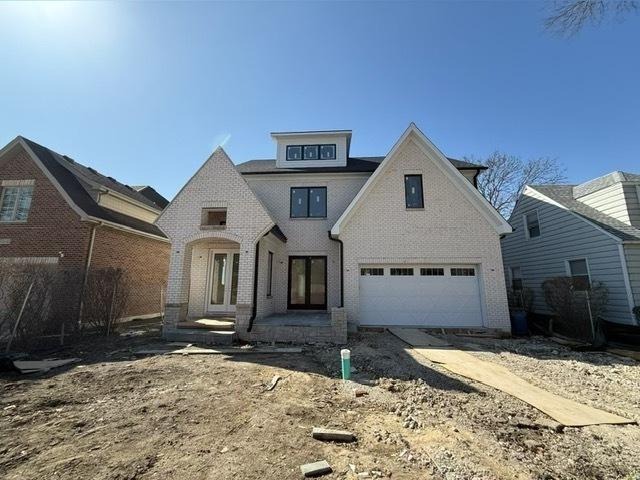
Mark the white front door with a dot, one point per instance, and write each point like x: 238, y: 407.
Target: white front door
x: 222, y: 285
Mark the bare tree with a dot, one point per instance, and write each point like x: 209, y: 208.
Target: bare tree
x: 507, y: 175
x: 568, y: 17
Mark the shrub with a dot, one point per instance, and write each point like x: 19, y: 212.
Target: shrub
x: 521, y: 299
x: 105, y: 299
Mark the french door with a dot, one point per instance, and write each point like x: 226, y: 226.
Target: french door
x: 222, y: 289
x: 307, y: 283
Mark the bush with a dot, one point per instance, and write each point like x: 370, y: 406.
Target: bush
x: 521, y: 299
x: 576, y: 312
x: 105, y: 299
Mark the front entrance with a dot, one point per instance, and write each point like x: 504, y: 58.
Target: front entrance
x: 222, y: 284
x: 307, y: 283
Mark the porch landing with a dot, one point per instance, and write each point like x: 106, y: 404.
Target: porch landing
x: 212, y: 330
x: 296, y: 319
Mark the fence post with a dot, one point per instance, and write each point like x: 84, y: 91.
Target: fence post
x: 15, y: 327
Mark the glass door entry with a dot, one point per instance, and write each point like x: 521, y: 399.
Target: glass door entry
x: 307, y: 283
x: 222, y: 291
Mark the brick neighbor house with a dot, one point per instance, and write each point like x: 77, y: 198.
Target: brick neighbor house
x: 317, y: 242
x: 56, y: 211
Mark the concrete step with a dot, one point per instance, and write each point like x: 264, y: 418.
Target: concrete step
x: 196, y: 335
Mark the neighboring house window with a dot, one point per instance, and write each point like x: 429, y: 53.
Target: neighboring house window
x: 432, y: 272
x: 311, y: 152
x: 308, y: 202
x: 269, y: 274
x: 15, y: 202
x: 579, y: 272
x: 401, y: 272
x: 413, y: 191
x: 214, y: 217
x: 532, y: 224
x: 463, y: 272
x: 516, y: 278
x: 372, y: 271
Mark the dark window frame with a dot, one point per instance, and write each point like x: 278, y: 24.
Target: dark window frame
x: 406, y: 192
x: 270, y: 274
x: 534, y: 226
x: 463, y: 272
x: 308, y: 189
x: 317, y: 145
x: 307, y: 305
x: 577, y: 280
x: 432, y: 272
x: 369, y: 272
x: 401, y: 271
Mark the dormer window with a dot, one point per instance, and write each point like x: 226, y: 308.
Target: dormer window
x: 294, y: 152
x: 311, y: 152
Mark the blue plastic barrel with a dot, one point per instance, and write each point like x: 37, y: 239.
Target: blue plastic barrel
x: 519, y: 324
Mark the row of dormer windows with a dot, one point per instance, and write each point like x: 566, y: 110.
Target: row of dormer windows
x: 311, y: 152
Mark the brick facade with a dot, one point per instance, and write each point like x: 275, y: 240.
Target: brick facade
x: 54, y: 230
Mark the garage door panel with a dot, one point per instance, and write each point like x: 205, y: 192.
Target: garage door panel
x: 430, y: 301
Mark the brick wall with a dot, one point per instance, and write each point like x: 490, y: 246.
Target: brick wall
x: 144, y: 260
x: 449, y: 230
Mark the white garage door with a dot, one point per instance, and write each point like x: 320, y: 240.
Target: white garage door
x: 427, y: 296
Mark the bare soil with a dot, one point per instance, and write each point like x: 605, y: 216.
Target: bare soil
x: 120, y: 416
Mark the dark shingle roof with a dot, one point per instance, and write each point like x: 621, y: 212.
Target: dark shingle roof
x: 354, y: 165
x: 149, y: 192
x: 564, y: 195
x: 602, y: 182
x: 77, y: 180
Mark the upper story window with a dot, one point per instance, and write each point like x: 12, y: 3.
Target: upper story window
x: 308, y: 202
x: 15, y: 201
x: 311, y: 152
x: 532, y: 224
x: 214, y: 218
x: 579, y: 272
x: 413, y: 191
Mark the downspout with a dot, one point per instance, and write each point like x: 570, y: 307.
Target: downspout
x: 85, y: 274
x: 341, y: 268
x: 254, y: 307
x: 475, y: 178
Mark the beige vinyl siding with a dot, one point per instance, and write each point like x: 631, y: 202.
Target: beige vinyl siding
x: 632, y: 254
x: 128, y: 208
x: 564, y: 236
x: 611, y: 200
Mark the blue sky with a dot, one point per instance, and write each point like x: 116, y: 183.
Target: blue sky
x: 145, y: 91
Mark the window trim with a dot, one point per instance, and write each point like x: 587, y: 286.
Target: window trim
x: 567, y: 266
x: 269, y: 274
x: 319, y: 147
x: 526, y: 225
x: 308, y: 189
x: 20, y: 187
x: 406, y: 198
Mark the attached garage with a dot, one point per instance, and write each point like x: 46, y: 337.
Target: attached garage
x: 420, y: 295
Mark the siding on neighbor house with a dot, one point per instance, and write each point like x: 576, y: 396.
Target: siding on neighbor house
x: 611, y: 201
x: 564, y: 236
x: 306, y: 236
x: 632, y: 254
x: 448, y: 230
x: 632, y: 194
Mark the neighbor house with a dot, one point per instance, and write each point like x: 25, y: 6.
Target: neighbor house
x: 404, y: 239
x: 55, y: 211
x: 590, y: 232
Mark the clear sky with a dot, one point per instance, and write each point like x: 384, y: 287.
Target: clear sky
x: 145, y: 91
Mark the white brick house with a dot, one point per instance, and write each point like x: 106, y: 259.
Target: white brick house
x: 404, y: 239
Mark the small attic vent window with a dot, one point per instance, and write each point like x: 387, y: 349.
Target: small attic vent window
x: 214, y: 218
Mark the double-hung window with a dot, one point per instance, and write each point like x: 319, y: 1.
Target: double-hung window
x: 413, y: 191
x: 15, y: 202
x: 579, y: 272
x: 532, y: 224
x: 308, y: 202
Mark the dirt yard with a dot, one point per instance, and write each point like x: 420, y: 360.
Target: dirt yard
x: 119, y: 416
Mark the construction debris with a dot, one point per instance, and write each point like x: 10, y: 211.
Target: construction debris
x: 272, y: 384
x: 40, y: 366
x: 332, y: 435
x: 192, y: 350
x: 316, y: 469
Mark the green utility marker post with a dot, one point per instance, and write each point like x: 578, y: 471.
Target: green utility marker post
x: 345, y: 354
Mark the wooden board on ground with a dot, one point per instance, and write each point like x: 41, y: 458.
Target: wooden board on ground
x: 216, y: 351
x: 564, y: 411
x: 625, y: 353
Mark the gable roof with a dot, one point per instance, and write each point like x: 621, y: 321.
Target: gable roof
x: 473, y: 195
x: 75, y: 182
x: 354, y: 165
x: 563, y: 195
x: 603, y: 182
